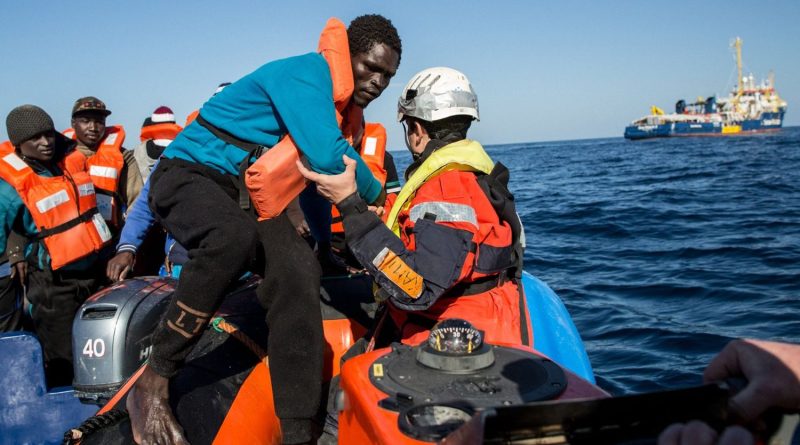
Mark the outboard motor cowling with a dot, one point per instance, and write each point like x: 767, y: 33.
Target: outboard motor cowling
x: 112, y: 332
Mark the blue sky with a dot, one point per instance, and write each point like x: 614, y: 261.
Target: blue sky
x: 542, y: 70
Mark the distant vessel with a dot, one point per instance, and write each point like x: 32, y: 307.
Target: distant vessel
x: 750, y: 108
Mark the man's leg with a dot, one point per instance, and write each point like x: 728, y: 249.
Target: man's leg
x: 10, y: 305
x: 56, y: 297
x: 199, y: 207
x: 290, y: 293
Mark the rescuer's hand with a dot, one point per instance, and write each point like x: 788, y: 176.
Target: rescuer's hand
x: 152, y: 421
x: 772, y: 370
x: 334, y: 188
x: 119, y: 266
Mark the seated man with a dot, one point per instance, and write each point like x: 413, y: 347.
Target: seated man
x: 452, y: 247
x: 158, y: 130
x: 57, y: 211
x: 99, y: 152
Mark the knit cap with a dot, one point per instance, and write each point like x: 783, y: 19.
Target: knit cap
x: 160, y: 115
x: 25, y: 122
x: 152, y: 128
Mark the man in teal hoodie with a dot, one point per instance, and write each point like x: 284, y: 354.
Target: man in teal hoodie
x: 196, y: 192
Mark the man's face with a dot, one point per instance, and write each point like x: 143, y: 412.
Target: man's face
x: 89, y: 128
x: 41, y: 147
x: 372, y: 71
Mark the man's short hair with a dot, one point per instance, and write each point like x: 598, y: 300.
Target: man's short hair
x: 450, y: 129
x: 369, y: 30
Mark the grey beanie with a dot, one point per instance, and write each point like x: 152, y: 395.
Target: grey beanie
x: 25, y: 122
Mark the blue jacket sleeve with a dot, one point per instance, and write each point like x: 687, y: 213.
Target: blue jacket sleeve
x: 302, y: 96
x: 138, y: 222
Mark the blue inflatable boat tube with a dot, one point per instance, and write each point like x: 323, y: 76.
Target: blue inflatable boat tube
x: 554, y: 333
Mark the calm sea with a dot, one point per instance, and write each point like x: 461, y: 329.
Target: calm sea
x: 663, y: 250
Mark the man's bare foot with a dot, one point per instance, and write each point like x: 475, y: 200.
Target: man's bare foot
x: 152, y: 420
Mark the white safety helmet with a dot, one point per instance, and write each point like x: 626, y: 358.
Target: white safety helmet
x: 437, y: 93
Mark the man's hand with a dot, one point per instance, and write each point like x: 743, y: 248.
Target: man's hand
x: 377, y: 210
x: 152, y: 421
x: 334, y: 188
x: 772, y: 370
x: 119, y: 266
x: 20, y: 270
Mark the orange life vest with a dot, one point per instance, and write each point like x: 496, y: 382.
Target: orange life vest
x: 274, y: 180
x: 6, y: 148
x: 164, y: 130
x: 104, y: 167
x: 63, y: 208
x: 373, y: 152
x: 191, y: 117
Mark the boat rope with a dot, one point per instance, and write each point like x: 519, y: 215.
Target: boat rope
x: 220, y: 325
x: 94, y: 423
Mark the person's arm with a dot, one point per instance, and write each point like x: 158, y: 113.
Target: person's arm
x: 131, y: 183
x: 139, y: 221
x: 772, y: 370
x: 12, y: 234
x: 413, y: 279
x: 302, y: 95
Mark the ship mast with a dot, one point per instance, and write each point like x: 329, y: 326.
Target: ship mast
x: 738, y: 45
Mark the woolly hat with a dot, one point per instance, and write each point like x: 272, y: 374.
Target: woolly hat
x: 159, y: 135
x: 161, y: 115
x: 25, y: 122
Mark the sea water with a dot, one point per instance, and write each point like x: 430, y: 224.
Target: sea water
x: 663, y: 250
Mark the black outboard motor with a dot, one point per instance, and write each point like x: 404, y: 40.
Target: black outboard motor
x: 111, y: 334
x: 680, y: 106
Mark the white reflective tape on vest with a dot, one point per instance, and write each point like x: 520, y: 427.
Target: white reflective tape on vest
x: 15, y: 161
x: 52, y: 201
x: 445, y: 212
x: 110, y: 139
x: 370, y: 145
x: 102, y: 228
x: 103, y: 172
x: 86, y: 189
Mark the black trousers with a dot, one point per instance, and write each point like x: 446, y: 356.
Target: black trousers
x: 200, y: 208
x: 10, y: 305
x: 56, y: 297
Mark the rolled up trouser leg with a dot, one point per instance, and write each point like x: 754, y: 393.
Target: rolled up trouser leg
x: 290, y: 294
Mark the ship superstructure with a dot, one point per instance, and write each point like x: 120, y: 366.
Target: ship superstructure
x: 750, y: 108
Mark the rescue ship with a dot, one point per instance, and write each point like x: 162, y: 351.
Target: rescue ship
x: 749, y: 108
